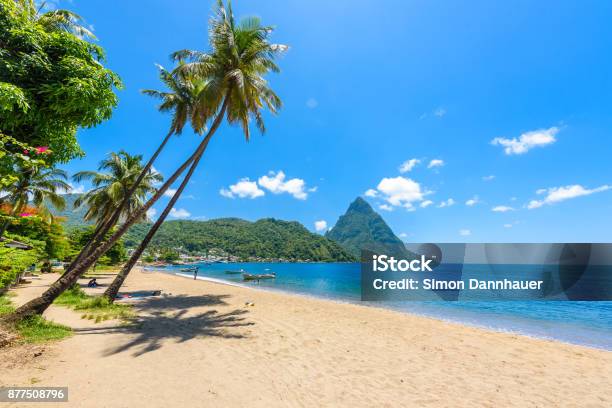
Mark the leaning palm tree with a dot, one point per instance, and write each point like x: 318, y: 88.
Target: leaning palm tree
x: 54, y: 20
x: 40, y: 186
x: 116, y: 176
x: 232, y: 87
x: 181, y: 101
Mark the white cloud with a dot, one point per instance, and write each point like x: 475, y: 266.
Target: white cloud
x: 448, y: 203
x: 507, y: 225
x: 472, y: 201
x: 276, y: 184
x: 385, y: 207
x: 435, y: 163
x: 558, y: 194
x: 151, y: 213
x: 312, y: 103
x: 408, y: 165
x: 170, y: 192
x: 244, y: 188
x: 180, y: 213
x: 502, y: 208
x: 439, y: 112
x: 320, y: 225
x: 371, y: 193
x: 488, y: 178
x: 527, y: 141
x: 426, y: 203
x: 403, y: 235
x: 465, y: 232
x: 400, y: 191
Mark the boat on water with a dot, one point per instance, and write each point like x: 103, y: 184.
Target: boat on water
x: 258, y: 277
x: 234, y: 272
x: 191, y: 269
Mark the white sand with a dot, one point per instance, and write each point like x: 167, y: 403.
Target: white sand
x: 202, y: 347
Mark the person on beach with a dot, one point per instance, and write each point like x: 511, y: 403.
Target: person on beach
x: 195, y: 273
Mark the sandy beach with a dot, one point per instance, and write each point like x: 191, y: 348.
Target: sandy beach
x: 201, y: 346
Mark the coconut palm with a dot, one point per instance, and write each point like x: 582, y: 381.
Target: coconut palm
x: 54, y: 20
x: 37, y: 185
x: 230, y: 76
x: 181, y: 101
x: 116, y: 176
x: 231, y: 83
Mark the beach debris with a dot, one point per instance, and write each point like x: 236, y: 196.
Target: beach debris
x: 249, y: 304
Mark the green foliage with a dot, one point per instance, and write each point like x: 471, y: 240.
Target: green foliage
x: 93, y: 307
x: 169, y: 255
x: 35, y: 329
x: 80, y: 237
x: 120, y: 172
x: 266, y: 238
x: 13, y: 261
x: 362, y: 228
x: 55, y: 244
x: 51, y: 81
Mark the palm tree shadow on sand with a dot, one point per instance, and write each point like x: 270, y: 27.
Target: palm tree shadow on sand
x: 163, y: 322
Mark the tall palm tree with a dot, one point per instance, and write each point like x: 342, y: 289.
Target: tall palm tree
x: 116, y: 175
x: 38, y: 185
x: 54, y: 20
x: 230, y: 76
x: 233, y: 87
x: 181, y: 101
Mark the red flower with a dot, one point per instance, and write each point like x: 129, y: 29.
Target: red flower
x: 26, y: 214
x: 42, y: 149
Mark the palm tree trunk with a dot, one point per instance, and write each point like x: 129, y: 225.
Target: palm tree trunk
x: 106, y: 226
x: 112, y: 291
x: 40, y: 304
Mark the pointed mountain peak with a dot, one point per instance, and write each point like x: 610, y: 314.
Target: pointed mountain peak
x: 363, y: 228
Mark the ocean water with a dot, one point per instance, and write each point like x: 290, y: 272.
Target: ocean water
x: 584, y: 323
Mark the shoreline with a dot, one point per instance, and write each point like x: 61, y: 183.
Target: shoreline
x: 400, y: 311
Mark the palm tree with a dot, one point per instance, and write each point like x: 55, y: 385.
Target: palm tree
x: 54, y: 20
x: 38, y: 185
x: 232, y: 85
x: 231, y: 76
x: 117, y: 175
x: 181, y: 101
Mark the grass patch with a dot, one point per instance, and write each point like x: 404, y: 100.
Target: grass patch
x: 34, y: 329
x: 96, y: 308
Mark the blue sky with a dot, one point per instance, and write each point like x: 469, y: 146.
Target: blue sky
x: 515, y: 90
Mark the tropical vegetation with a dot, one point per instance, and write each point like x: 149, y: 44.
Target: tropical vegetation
x: 264, y: 239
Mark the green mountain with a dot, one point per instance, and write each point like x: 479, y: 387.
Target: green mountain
x: 265, y: 239
x: 363, y: 228
x: 73, y: 218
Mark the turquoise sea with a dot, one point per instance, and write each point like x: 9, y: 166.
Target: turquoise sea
x: 584, y: 323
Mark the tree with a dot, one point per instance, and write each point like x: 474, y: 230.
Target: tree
x: 51, y: 81
x: 54, y: 20
x: 229, y: 77
x: 79, y: 237
x: 118, y: 174
x: 234, y: 86
x: 41, y: 185
x: 182, y: 101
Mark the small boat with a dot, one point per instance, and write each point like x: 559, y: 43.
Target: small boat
x: 234, y: 272
x: 258, y: 277
x: 192, y: 269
